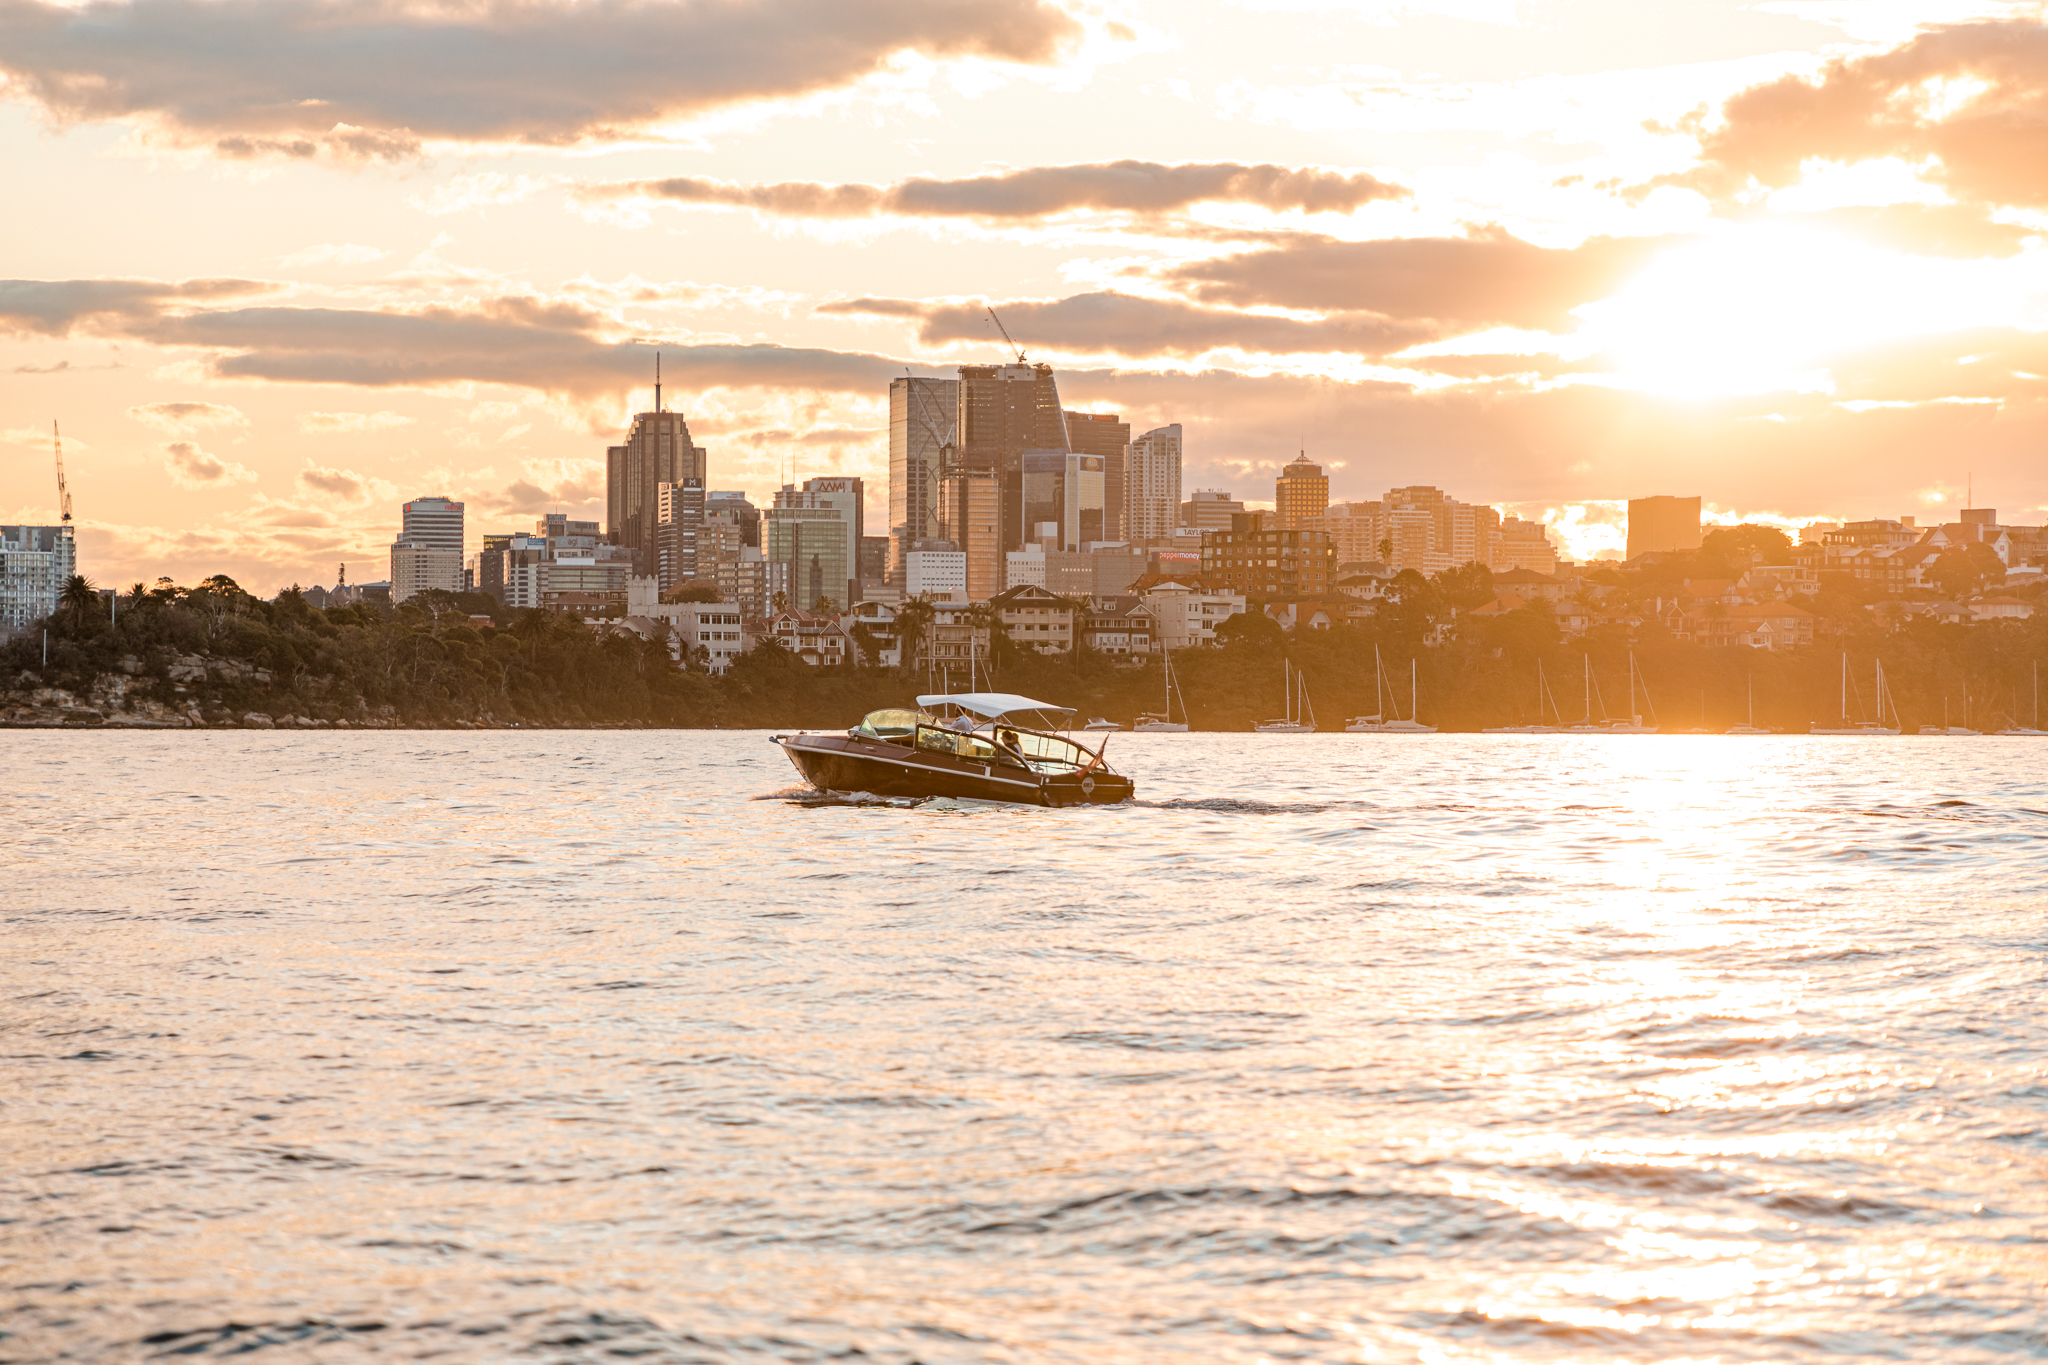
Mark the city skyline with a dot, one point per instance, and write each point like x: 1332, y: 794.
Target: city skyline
x: 1556, y: 256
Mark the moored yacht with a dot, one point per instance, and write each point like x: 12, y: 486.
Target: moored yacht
x: 1162, y: 722
x: 982, y: 746
x: 1379, y: 723
x: 1301, y: 717
x: 1861, y: 728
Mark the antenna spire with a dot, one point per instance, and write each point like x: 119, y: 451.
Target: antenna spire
x: 657, y: 381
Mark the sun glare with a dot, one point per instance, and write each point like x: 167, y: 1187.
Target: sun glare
x: 1769, y: 309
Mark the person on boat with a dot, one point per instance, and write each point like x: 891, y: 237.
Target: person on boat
x: 964, y: 723
x: 1006, y: 739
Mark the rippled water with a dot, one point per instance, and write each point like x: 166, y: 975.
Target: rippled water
x: 590, y: 1047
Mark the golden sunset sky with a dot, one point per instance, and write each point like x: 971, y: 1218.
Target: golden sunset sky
x: 277, y: 265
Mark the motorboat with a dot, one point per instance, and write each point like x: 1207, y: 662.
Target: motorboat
x: 1097, y: 725
x: 1301, y: 717
x: 982, y: 746
x: 1379, y: 723
x: 1162, y: 722
x: 1874, y: 729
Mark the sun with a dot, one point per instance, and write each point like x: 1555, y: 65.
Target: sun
x: 1763, y: 308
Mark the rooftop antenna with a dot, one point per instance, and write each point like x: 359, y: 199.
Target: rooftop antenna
x: 1006, y: 335
x: 63, y: 493
x: 657, y: 381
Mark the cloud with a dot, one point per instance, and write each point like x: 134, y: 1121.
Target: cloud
x: 1146, y: 187
x: 376, y: 79
x: 347, y: 253
x: 1124, y: 324
x: 191, y: 467
x: 345, y: 484
x: 322, y: 423
x: 182, y: 419
x: 519, y: 340
x: 55, y: 307
x: 1970, y: 101
x: 1489, y: 277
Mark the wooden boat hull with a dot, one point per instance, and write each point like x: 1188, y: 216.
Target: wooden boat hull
x: 842, y: 763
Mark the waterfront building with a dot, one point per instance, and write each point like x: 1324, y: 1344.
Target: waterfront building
x: 874, y: 621
x: 1301, y: 495
x: 1120, y: 625
x: 924, y: 417
x: 1151, y: 504
x: 1035, y: 618
x: 956, y: 647
x: 35, y: 564
x: 1107, y: 436
x: 1662, y: 525
x: 706, y: 633
x: 1260, y: 562
x: 1187, y: 611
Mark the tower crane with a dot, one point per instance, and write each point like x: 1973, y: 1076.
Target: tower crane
x: 1006, y: 335
x: 63, y: 493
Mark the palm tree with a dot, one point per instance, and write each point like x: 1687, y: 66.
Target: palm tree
x: 79, y: 598
x: 913, y: 619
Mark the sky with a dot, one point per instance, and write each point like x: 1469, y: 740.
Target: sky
x: 278, y: 265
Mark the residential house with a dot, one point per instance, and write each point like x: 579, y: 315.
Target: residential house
x: 1188, y: 610
x: 1121, y: 625
x: 1036, y: 618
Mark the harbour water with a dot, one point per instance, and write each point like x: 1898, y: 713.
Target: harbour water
x: 605, y: 1046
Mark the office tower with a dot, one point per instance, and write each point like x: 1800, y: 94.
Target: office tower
x: 1356, y: 530
x: 432, y: 524
x: 924, y: 416
x: 742, y: 513
x: 849, y: 495
x: 935, y: 570
x: 679, y: 527
x: 1151, y: 503
x: 1107, y: 435
x: 1301, y: 495
x: 658, y: 450
x: 811, y: 535
x: 1663, y: 523
x: 35, y: 564
x: 1209, y: 509
x: 1064, y: 498
x: 971, y: 517
x: 1006, y: 410
x: 874, y: 558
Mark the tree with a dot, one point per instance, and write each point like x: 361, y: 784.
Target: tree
x: 1468, y: 585
x: 1964, y: 570
x: 79, y: 600
x: 1251, y: 630
x: 1736, y: 548
x: 913, y: 624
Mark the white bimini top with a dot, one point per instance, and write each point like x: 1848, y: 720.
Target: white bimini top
x: 1003, y: 706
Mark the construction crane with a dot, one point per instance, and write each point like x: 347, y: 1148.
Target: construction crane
x: 1006, y: 335
x: 63, y: 493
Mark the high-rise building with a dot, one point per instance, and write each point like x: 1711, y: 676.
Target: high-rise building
x: 924, y: 417
x: 1300, y: 495
x: 1107, y: 436
x: 1258, y: 560
x: 744, y: 514
x: 1151, y: 503
x: 1523, y: 545
x: 1006, y: 410
x: 35, y: 564
x: 432, y: 524
x: 658, y: 450
x: 1209, y: 509
x: 971, y: 517
x: 1663, y: 523
x: 679, y: 528
x: 935, y: 571
x: 810, y: 534
x: 874, y: 559
x: 416, y: 569
x: 1065, y: 498
x: 849, y: 495
x: 1431, y: 531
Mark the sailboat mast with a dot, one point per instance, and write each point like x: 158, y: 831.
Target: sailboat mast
x: 1411, y: 691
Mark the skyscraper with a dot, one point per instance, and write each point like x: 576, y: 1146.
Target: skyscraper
x: 1301, y: 495
x: 849, y: 495
x: 35, y: 564
x: 1064, y: 496
x: 1107, y: 436
x: 433, y: 524
x: 1006, y: 410
x: 428, y: 551
x: 971, y: 517
x: 658, y: 450
x: 924, y: 417
x: 1151, y: 503
x: 1663, y: 523
x: 679, y: 527
x: 811, y: 535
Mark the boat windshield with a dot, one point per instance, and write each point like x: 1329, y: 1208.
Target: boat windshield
x: 894, y: 724
x: 1046, y: 753
x: 975, y: 748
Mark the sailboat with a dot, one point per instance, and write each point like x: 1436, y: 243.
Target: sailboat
x: 1301, y: 717
x: 1542, y: 692
x: 1634, y: 724
x: 1945, y: 729
x: 1751, y: 727
x: 1377, y: 723
x: 1162, y: 722
x: 1861, y: 727
x: 2034, y: 730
